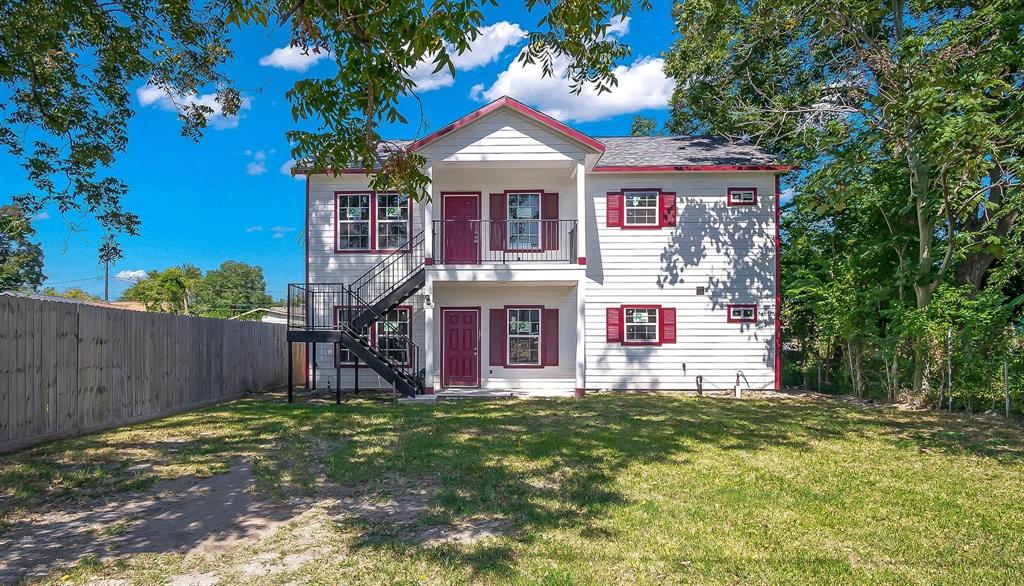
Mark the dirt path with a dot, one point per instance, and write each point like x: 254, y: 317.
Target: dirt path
x: 182, y: 515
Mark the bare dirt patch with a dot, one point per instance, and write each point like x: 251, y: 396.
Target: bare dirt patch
x: 183, y: 515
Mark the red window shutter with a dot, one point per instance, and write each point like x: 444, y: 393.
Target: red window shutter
x: 549, y: 213
x: 667, y: 210
x: 614, y: 211
x: 668, y: 325
x: 613, y: 324
x: 498, y: 332
x: 498, y: 221
x: 549, y: 338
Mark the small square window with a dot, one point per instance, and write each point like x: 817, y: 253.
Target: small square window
x: 742, y: 196
x: 742, y: 313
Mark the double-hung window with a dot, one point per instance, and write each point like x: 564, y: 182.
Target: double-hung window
x: 354, y: 221
x: 371, y: 222
x: 523, y: 221
x: 641, y: 324
x: 641, y: 208
x: 342, y: 355
x: 392, y: 224
x: 524, y: 336
x: 393, y: 335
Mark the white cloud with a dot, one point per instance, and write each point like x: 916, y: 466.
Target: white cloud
x: 643, y: 85
x: 130, y: 275
x: 618, y: 26
x: 258, y: 164
x: 280, y: 231
x: 43, y: 215
x: 151, y: 95
x: 286, y: 169
x: 293, y: 58
x: 254, y: 229
x: 485, y: 49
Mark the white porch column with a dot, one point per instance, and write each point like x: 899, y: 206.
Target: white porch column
x: 428, y: 215
x: 581, y: 211
x: 581, y: 337
x: 428, y: 286
x: 428, y: 335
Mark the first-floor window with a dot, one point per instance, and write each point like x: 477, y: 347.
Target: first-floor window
x: 742, y: 312
x: 641, y: 324
x: 342, y: 355
x: 393, y: 335
x: 524, y: 336
x: 641, y: 208
x: 523, y: 221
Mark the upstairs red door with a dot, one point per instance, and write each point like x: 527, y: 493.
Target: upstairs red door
x: 461, y: 230
x: 460, y: 354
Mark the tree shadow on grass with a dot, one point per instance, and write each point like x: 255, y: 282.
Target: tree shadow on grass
x: 528, y: 467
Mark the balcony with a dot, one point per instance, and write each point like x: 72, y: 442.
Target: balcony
x: 500, y: 242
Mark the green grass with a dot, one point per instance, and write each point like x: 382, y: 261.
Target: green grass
x: 609, y: 489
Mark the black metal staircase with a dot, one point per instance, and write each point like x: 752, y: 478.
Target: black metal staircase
x: 340, y: 312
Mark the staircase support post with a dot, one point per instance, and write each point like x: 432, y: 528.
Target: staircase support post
x: 337, y: 378
x: 314, y: 367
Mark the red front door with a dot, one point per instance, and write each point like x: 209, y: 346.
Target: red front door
x: 460, y: 354
x: 461, y: 229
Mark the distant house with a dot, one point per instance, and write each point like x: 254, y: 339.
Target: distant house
x: 546, y: 260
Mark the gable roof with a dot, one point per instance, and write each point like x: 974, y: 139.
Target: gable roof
x: 520, y: 108
x: 683, y: 153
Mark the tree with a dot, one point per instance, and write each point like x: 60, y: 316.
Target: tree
x: 643, y: 126
x: 172, y: 290
x: 912, y: 108
x: 232, y: 289
x: 21, y: 260
x: 67, y: 66
x: 72, y: 293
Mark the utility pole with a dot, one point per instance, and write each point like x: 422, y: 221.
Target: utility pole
x: 106, y: 279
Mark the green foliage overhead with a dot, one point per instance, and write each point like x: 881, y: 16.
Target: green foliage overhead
x: 68, y: 66
x: 72, y: 293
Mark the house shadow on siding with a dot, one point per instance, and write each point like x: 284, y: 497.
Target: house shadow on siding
x: 747, y: 273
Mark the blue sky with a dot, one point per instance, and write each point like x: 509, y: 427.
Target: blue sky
x: 227, y: 196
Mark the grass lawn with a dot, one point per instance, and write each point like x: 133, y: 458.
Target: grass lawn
x: 608, y: 489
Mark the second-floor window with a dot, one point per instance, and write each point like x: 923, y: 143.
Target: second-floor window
x: 371, y: 222
x: 354, y: 221
x: 641, y: 208
x: 392, y: 221
x: 523, y: 221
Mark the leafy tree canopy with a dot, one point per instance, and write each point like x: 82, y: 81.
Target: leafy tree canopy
x: 21, y: 259
x: 230, y: 290
x: 66, y: 67
x: 72, y: 293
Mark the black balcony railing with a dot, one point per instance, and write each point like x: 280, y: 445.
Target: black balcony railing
x: 469, y: 242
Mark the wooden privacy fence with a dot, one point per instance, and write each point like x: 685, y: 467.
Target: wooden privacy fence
x: 73, y: 368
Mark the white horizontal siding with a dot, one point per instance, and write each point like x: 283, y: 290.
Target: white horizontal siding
x: 488, y: 296
x: 503, y: 136
x: 729, y: 250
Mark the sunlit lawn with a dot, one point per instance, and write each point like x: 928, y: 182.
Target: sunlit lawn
x: 608, y: 489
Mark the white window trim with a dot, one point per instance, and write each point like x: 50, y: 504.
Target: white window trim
x: 377, y: 221
x: 743, y: 318
x: 736, y: 201
x: 656, y: 324
x: 510, y: 220
x: 626, y: 207
x: 539, y: 336
x: 381, y: 325
x: 371, y: 201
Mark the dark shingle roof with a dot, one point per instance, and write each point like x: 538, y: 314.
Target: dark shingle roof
x: 680, y: 151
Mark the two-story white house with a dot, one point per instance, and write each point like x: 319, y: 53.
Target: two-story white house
x: 546, y: 261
